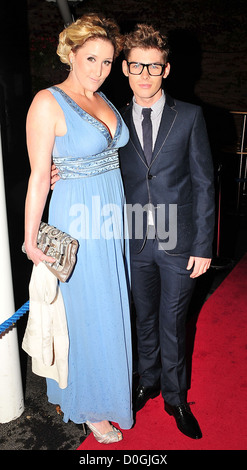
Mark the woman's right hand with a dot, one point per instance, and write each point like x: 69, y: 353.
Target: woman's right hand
x: 37, y: 256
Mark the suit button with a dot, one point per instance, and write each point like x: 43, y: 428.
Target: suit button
x: 150, y: 177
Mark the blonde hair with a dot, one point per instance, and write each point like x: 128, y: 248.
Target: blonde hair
x: 146, y: 37
x: 89, y: 26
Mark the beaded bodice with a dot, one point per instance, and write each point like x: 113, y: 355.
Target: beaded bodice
x: 87, y: 148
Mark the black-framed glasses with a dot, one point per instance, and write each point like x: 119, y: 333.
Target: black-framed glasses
x: 136, y: 68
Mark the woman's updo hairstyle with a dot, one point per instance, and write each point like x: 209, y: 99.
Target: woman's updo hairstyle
x: 89, y: 26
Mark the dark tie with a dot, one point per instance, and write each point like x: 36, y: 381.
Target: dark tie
x: 147, y: 134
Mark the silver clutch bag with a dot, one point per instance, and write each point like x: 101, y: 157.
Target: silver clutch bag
x: 61, y: 246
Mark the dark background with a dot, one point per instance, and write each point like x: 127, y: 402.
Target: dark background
x: 208, y: 66
x: 208, y: 40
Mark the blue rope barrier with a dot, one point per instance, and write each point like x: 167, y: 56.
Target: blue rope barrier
x: 12, y: 320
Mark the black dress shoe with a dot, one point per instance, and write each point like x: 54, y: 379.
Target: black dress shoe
x: 143, y: 394
x: 186, y: 422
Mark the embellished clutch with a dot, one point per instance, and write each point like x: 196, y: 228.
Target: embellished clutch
x: 61, y: 246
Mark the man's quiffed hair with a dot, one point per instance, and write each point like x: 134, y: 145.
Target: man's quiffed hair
x: 145, y: 37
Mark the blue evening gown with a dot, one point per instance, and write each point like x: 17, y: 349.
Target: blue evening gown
x: 88, y: 203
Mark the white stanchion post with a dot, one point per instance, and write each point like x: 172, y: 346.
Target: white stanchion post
x: 11, y: 392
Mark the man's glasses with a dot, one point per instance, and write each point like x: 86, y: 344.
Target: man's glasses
x: 136, y: 68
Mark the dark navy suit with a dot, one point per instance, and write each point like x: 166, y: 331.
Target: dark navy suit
x: 181, y: 173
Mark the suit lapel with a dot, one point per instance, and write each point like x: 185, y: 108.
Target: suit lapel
x: 167, y: 121
x: 127, y: 115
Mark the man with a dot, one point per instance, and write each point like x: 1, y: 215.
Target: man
x: 176, y: 171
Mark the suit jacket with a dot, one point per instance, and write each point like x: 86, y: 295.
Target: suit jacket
x: 46, y: 337
x: 181, y: 174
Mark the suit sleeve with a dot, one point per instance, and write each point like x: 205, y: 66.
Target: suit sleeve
x: 202, y: 178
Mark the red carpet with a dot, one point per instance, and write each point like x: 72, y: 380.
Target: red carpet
x: 218, y: 383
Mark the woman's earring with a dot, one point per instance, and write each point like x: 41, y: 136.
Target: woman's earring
x: 71, y: 66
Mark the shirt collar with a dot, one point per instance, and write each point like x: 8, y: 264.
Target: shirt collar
x: 157, y: 107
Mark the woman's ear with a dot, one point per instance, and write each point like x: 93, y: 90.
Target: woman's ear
x: 71, y: 57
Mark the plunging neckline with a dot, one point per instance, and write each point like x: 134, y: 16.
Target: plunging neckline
x: 80, y: 110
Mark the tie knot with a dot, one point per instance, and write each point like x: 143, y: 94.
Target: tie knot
x: 146, y: 112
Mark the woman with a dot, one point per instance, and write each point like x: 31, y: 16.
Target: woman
x: 80, y: 130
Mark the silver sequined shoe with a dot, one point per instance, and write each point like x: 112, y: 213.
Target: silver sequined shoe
x: 112, y: 436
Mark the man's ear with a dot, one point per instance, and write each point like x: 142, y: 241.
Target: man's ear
x: 167, y: 70
x: 125, y: 68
